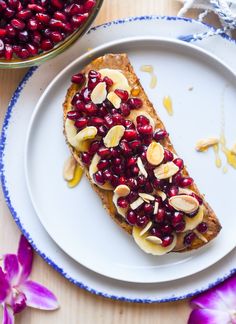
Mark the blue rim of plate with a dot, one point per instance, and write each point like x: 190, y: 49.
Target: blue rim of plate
x: 16, y: 218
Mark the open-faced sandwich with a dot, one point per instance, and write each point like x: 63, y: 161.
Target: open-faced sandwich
x: 114, y: 132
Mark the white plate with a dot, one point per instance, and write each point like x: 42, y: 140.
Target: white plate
x: 76, y: 220
x: 12, y: 171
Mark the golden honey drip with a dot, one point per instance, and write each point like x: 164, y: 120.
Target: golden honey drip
x: 149, y: 69
x: 135, y: 91
x: 230, y: 156
x: 77, y: 177
x: 167, y: 103
x: 225, y: 169
x: 218, y: 162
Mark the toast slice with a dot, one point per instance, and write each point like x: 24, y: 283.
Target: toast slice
x: 148, y: 191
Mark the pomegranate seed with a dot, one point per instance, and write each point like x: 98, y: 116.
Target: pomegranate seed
x: 202, y: 227
x: 160, y: 134
x: 3, y: 5
x: 126, y: 150
x: 125, y: 110
x: 172, y: 191
x: 114, y: 180
x: 122, y: 180
x: 80, y: 106
x: 177, y: 217
x: 76, y: 97
x: 92, y: 82
x: 33, y: 50
x: 134, y: 145
x: 102, y: 131
x: 135, y: 170
x: 23, y: 36
x: 188, y: 239
x: 132, y: 195
x: 141, y: 180
x: 81, y: 122
x: 191, y: 215
x: 36, y: 37
x: 94, y: 146
x: 8, y: 52
x: 108, y: 81
x: 122, y: 202
x: 179, y: 162
x: 56, y: 36
x: 157, y: 183
x: 86, y: 158
x: 57, y: 3
x: 200, y: 200
x: 98, y: 177
x: 91, y: 109
x: 109, y: 121
x: 128, y: 124
x: 160, y: 216
x: 74, y: 9
x: 135, y: 103
x: 131, y: 161
x: 130, y: 134
x: 168, y: 155
x: 166, y: 229
x: 179, y: 227
x: 85, y: 93
x: 115, y: 152
x: 148, y: 208
x: 156, y: 232
x: 60, y: 16
x: 78, y: 20
x: 131, y: 217
x: 9, y: 13
x: 118, y: 169
x: 107, y: 175
x: 94, y: 74
x: 142, y: 220
x: 102, y: 164
x: 158, y: 200
x: 177, y: 178
x: 145, y: 130
x: 104, y: 152
x: 18, y: 24
x: 46, y: 44
x: 186, y: 182
x: 117, y: 161
x: 13, y: 4
x: 167, y: 240
x: 102, y: 112
x: 56, y: 24
x: 123, y: 94
x: 32, y: 24
x: 118, y: 119
x: 89, y: 4
x: 142, y: 120
x: 3, y: 32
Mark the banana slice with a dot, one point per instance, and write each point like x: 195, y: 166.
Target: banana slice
x: 93, y: 169
x: 192, y: 223
x: 150, y: 247
x: 79, y: 140
x: 118, y: 78
x: 135, y: 113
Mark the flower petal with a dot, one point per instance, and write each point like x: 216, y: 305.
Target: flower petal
x: 4, y: 286
x: 25, y: 257
x: 8, y: 317
x: 222, y: 297
x: 38, y: 296
x: 18, y: 301
x: 209, y: 316
x: 11, y: 267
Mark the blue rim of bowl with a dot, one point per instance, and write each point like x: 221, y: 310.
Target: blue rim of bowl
x: 16, y: 218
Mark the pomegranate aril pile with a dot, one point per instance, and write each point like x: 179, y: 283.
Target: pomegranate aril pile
x: 127, y: 163
x: 29, y: 27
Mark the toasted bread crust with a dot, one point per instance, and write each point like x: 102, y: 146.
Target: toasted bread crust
x: 121, y: 62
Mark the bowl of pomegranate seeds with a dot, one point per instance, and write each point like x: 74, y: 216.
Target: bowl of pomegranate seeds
x: 33, y: 31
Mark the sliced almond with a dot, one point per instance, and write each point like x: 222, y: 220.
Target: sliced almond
x: 99, y: 93
x: 118, y: 78
x: 161, y: 194
x: 166, y: 170
x: 145, y: 229
x: 185, y: 203
x: 204, y: 144
x: 85, y: 134
x: 185, y: 191
x: 200, y: 236
x: 114, y: 99
x: 93, y: 169
x: 141, y: 167
x: 69, y: 168
x: 122, y: 190
x: 146, y: 197
x: 154, y: 239
x: 156, y: 207
x: 155, y: 153
x: 135, y: 113
x: 114, y: 136
x: 138, y: 202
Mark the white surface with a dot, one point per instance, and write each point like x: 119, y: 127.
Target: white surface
x: 15, y: 179
x: 76, y: 220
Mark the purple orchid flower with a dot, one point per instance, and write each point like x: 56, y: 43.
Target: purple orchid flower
x: 215, y: 306
x: 16, y: 290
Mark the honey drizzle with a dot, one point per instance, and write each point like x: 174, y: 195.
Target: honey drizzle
x: 149, y: 69
x: 167, y: 103
x: 218, y: 162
